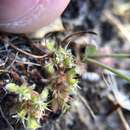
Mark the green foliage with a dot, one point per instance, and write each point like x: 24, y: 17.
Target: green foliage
x: 71, y: 74
x: 65, y: 80
x: 50, y: 46
x: 63, y: 58
x: 90, y: 50
x: 32, y: 123
x: 32, y: 105
x: 23, y: 91
x: 49, y: 68
x: 61, y: 68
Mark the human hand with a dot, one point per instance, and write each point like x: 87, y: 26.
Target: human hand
x: 23, y: 16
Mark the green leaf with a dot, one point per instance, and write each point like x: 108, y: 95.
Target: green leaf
x: 73, y: 82
x: 71, y: 72
x: 90, y: 50
x: 50, y: 68
x: 51, y: 46
x: 12, y: 87
x: 22, y: 114
x: 24, y: 92
x: 68, y: 62
x: 65, y: 107
x: 44, y: 94
x: 32, y: 123
x: 71, y: 77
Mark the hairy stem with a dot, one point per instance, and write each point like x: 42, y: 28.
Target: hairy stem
x: 119, y: 74
x: 114, y: 55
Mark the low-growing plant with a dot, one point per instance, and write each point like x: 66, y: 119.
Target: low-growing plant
x: 31, y: 105
x: 61, y: 69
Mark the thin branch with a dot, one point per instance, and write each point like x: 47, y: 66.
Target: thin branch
x: 87, y: 106
x: 27, y: 53
x: 80, y: 33
x: 27, y: 63
x: 12, y: 62
x: 3, y: 71
x: 125, y: 123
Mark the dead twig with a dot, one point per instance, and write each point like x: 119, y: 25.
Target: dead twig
x: 125, y: 123
x: 12, y: 62
x: 3, y: 71
x: 114, y: 21
x: 71, y: 36
x: 27, y: 53
x: 27, y: 63
x: 87, y: 106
